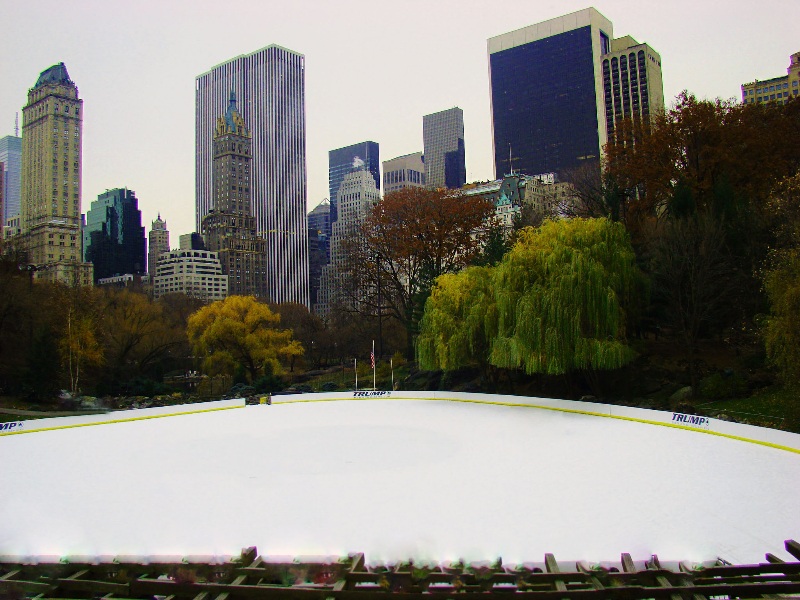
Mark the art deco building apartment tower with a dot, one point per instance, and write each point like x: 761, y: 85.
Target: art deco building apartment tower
x: 51, y: 178
x: 270, y: 88
x: 229, y: 227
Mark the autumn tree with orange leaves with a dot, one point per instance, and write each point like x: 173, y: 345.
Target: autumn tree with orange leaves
x: 405, y: 242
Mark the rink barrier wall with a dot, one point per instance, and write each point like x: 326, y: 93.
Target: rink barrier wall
x: 774, y: 438
x: 782, y: 440
x: 121, y: 416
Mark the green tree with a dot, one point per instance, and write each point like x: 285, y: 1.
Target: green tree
x: 781, y: 328
x: 564, y: 294
x: 458, y: 324
x: 240, y: 330
x: 559, y: 301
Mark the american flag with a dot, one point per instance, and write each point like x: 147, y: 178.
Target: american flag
x: 372, y: 359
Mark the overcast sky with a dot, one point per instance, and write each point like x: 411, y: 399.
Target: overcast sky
x: 373, y: 68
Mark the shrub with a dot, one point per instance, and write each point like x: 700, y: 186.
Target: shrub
x: 329, y: 386
x: 269, y: 384
x: 723, y: 385
x: 141, y: 386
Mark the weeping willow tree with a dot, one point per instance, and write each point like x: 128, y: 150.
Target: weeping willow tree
x: 453, y: 329
x: 558, y: 302
x: 563, y: 294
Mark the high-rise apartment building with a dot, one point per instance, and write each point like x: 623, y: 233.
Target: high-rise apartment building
x: 342, y: 161
x: 270, y: 87
x: 196, y: 273
x: 550, y: 106
x: 632, y: 86
x: 229, y: 227
x: 113, y: 238
x: 778, y: 89
x: 443, y: 147
x: 404, y: 171
x: 158, y: 243
x: 11, y: 157
x: 51, y: 178
x: 357, y: 194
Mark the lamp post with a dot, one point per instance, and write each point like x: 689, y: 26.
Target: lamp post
x: 380, y: 305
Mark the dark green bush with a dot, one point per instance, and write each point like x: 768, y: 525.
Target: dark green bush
x: 723, y: 385
x: 268, y: 384
x: 141, y: 386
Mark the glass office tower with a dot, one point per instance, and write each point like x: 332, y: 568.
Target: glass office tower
x: 113, y: 239
x: 548, y: 110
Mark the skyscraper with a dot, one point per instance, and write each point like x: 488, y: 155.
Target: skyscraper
x: 270, y: 87
x: 229, y: 227
x: 357, y: 193
x: 158, y: 242
x: 2, y: 192
x: 632, y: 86
x: 11, y: 157
x: 347, y: 160
x: 443, y: 146
x: 547, y: 93
x: 113, y: 239
x: 51, y: 178
x: 552, y: 106
x: 404, y: 171
x: 319, y: 236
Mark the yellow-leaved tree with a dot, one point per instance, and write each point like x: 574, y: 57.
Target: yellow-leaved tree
x: 240, y: 330
x: 79, y: 348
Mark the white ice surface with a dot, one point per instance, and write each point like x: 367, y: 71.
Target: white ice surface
x: 396, y: 479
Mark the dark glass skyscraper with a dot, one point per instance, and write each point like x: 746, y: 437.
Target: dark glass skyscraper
x: 346, y: 160
x: 548, y: 111
x: 113, y: 239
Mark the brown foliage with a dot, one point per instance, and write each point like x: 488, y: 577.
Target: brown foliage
x: 703, y: 142
x: 407, y: 240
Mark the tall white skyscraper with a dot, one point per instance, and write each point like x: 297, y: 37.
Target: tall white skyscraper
x: 270, y: 88
x: 357, y: 194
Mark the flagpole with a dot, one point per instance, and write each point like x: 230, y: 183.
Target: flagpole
x: 355, y: 368
x: 391, y: 366
x: 374, y: 385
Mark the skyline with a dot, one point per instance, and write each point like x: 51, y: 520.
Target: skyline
x: 135, y: 68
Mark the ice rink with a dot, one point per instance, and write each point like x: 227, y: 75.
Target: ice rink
x: 396, y: 478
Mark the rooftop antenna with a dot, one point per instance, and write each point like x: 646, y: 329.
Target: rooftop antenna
x: 510, y: 163
x: 16, y: 124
